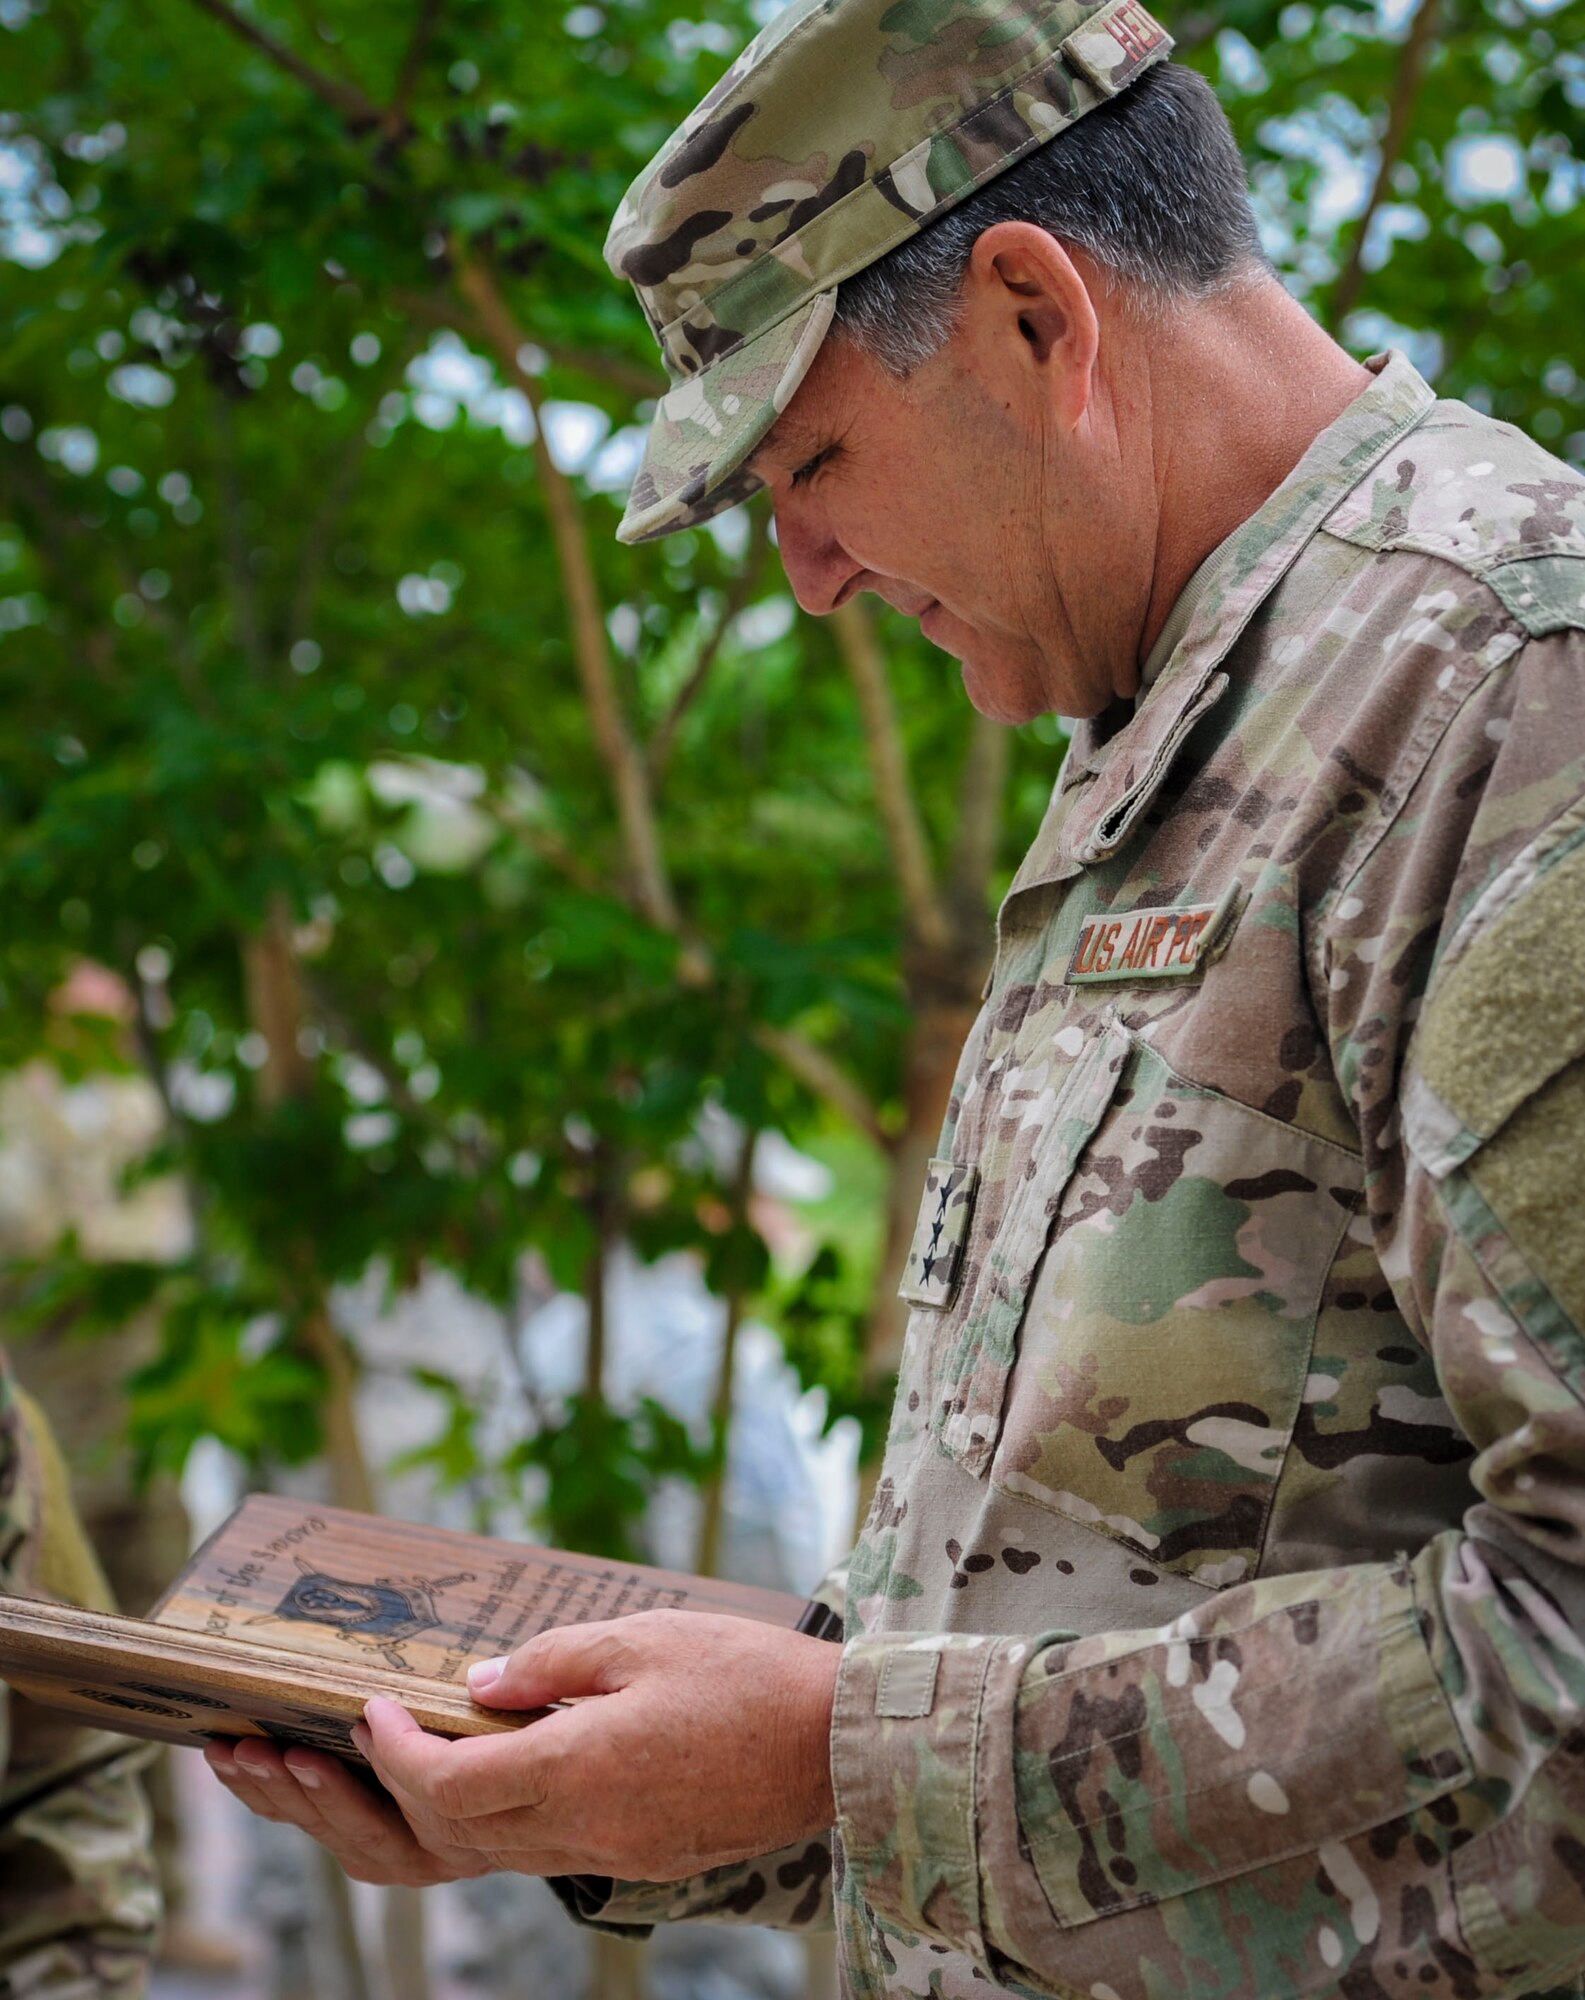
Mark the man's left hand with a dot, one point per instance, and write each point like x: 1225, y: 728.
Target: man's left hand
x: 693, y: 1741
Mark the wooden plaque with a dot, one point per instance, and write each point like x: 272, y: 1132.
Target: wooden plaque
x: 290, y: 1617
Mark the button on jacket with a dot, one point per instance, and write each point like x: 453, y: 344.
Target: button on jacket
x: 1218, y: 1627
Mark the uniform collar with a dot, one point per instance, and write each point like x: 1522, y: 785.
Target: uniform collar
x: 1107, y: 784
x: 1171, y: 634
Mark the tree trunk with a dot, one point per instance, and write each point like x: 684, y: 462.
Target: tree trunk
x: 402, y: 1939
x: 277, y: 1008
x: 617, y: 1964
x: 708, y: 1560
x: 1412, y: 64
x: 820, y: 1966
x: 944, y: 960
x: 350, y: 1963
x: 617, y: 1971
x: 594, y: 1294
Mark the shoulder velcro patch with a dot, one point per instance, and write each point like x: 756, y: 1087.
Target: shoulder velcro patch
x: 1527, y: 1179
x: 1502, y: 1020
x: 1494, y: 1101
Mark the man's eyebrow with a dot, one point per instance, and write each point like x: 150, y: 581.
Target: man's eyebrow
x: 792, y: 443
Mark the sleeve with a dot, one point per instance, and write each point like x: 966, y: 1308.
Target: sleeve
x: 79, y: 1903
x: 1367, y: 1780
x: 789, y: 1890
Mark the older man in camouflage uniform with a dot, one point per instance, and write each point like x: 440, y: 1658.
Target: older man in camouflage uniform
x: 79, y: 1905
x: 1219, y: 1626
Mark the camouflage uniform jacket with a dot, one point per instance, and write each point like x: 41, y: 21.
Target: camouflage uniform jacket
x: 1218, y: 1627
x: 79, y: 1906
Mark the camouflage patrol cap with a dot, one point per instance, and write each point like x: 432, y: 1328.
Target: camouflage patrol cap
x: 842, y: 129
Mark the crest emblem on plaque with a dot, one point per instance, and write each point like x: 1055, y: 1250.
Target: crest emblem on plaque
x: 377, y: 1616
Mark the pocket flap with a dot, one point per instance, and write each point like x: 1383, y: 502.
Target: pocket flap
x: 984, y: 1339
x: 1210, y: 1751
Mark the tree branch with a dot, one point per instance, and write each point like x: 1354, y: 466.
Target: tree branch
x: 624, y: 766
x: 649, y: 888
x: 433, y: 309
x: 316, y: 536
x: 663, y: 742
x: 631, y: 376
x: 146, y: 1039
x: 394, y: 122
x: 818, y: 1072
x: 273, y: 987
x: 359, y: 110
x: 712, y: 1513
x: 65, y: 546
x: 244, y: 598
x: 905, y: 831
x: 1406, y: 89
x: 552, y: 848
x: 974, y: 845
x: 337, y: 493
x: 341, y: 1023
x: 824, y: 1078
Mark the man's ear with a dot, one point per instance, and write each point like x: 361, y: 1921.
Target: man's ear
x: 1033, y: 314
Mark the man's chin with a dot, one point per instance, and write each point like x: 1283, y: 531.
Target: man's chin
x: 999, y: 695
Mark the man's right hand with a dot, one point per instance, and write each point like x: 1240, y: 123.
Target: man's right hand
x: 362, y: 1827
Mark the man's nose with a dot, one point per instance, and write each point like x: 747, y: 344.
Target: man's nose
x: 817, y: 565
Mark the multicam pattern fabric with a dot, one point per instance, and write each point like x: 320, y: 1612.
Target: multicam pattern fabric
x: 79, y: 1907
x: 840, y: 131
x: 1235, y: 1505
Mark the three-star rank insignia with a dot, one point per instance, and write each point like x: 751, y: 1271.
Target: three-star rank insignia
x: 935, y: 1261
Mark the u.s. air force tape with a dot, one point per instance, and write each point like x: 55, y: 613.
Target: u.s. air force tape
x: 1172, y: 942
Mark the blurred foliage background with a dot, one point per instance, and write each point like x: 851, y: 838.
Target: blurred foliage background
x: 450, y: 863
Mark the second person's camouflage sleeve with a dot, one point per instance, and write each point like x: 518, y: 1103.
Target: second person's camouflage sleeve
x: 1366, y: 1781
x: 79, y: 1904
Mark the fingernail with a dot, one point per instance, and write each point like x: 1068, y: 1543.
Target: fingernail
x: 305, y: 1777
x: 219, y: 1759
x: 264, y: 1771
x: 361, y: 1738
x: 484, y: 1674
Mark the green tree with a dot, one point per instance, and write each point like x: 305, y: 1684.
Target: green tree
x: 422, y: 818
x: 457, y: 858
x: 263, y: 600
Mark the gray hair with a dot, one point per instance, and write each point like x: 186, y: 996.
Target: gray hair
x: 1150, y: 184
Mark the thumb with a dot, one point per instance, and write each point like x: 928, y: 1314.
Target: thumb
x: 568, y: 1660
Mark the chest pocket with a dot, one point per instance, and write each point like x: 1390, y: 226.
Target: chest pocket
x: 975, y: 1346
x: 1135, y: 1352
